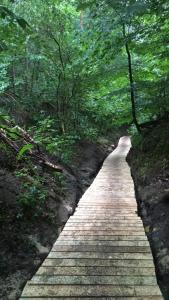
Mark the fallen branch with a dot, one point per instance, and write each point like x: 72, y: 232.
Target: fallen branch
x: 8, y: 141
x: 40, y: 156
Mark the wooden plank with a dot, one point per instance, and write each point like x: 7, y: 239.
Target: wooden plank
x: 103, y: 243
x: 104, y: 227
x: 102, y: 249
x: 96, y: 271
x: 102, y: 237
x: 102, y: 232
x: 104, y: 218
x: 100, y: 255
x: 92, y: 291
x: 104, y: 214
x: 93, y: 280
x: 105, y: 209
x: 110, y: 223
x: 94, y: 298
x: 73, y: 262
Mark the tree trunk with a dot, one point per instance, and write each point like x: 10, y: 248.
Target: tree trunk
x: 130, y: 71
x: 81, y: 20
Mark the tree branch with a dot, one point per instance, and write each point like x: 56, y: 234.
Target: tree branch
x: 60, y: 51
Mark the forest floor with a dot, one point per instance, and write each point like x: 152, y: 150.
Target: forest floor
x: 27, y: 237
x: 149, y: 162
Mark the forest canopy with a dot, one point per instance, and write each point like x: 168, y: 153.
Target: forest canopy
x: 76, y: 69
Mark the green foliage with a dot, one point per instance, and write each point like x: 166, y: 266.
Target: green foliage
x: 5, y: 12
x: 4, y: 148
x: 136, y: 137
x: 46, y: 134
x: 33, y: 191
x: 144, y: 32
x: 59, y: 179
x: 66, y: 77
x: 23, y: 150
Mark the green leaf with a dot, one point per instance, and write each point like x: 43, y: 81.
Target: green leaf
x: 22, y: 23
x: 4, y: 117
x: 5, y: 12
x: 23, y: 150
x: 83, y: 5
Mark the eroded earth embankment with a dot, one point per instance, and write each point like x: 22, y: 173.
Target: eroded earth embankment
x: 149, y: 161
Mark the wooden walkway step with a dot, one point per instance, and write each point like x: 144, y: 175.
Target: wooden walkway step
x: 102, y: 252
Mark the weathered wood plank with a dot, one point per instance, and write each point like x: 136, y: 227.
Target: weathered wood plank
x: 95, y: 298
x: 100, y: 255
x: 102, y: 243
x: 93, y: 280
x: 92, y: 291
x: 87, y: 270
x: 102, y: 249
x: 105, y: 224
x: 139, y: 263
x: 102, y: 237
x: 103, y: 232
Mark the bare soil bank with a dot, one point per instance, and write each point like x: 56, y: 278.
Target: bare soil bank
x: 149, y: 161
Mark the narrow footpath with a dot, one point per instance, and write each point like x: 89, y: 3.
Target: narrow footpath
x: 102, y: 252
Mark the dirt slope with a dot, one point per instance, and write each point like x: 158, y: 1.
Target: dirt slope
x: 149, y: 160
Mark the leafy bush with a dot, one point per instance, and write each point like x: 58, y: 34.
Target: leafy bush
x: 46, y: 135
x: 23, y: 150
x: 33, y: 191
x: 136, y: 138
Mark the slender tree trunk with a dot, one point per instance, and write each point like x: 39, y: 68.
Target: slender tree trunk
x: 13, y: 78
x: 32, y: 79
x: 81, y: 20
x: 130, y: 71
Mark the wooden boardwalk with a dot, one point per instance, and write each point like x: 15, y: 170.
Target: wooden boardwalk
x: 103, y: 252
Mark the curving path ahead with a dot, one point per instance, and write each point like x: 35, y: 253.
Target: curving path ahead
x: 103, y: 252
